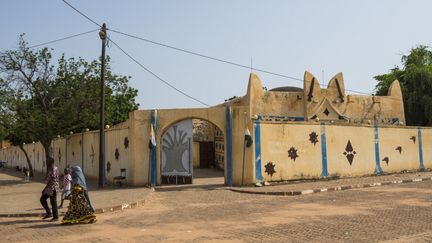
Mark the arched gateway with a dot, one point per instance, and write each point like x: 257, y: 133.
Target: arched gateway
x: 191, y: 148
x: 177, y: 140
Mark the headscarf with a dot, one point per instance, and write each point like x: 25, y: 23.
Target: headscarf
x: 78, y: 177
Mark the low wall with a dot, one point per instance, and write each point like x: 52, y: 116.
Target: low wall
x: 78, y: 149
x: 295, y: 151
x: 280, y: 151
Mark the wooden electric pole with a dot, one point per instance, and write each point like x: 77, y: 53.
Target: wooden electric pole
x: 103, y: 36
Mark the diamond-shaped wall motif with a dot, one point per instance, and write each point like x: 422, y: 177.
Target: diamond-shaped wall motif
x: 326, y: 112
x: 349, y: 152
x: 126, y: 142
x: 117, y: 154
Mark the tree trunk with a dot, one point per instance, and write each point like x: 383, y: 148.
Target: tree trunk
x: 48, y: 151
x: 30, y: 167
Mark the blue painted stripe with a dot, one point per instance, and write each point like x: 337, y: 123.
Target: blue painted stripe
x: 153, y: 150
x: 324, y: 172
x: 378, y: 169
x: 257, y: 142
x: 420, y: 149
x: 229, y: 145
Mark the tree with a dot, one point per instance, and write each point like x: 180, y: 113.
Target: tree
x: 10, y: 126
x: 42, y: 100
x: 415, y: 77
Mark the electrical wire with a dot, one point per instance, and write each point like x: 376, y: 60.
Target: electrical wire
x: 199, y: 54
x: 157, y: 76
x: 82, y: 14
x: 220, y: 60
x: 204, y: 56
x: 64, y: 38
x: 136, y: 61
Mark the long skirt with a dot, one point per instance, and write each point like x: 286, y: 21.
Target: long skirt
x: 79, y: 210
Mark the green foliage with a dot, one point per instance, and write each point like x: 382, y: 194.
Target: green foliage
x: 81, y: 80
x: 415, y: 78
x: 38, y: 100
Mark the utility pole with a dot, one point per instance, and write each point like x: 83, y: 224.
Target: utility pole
x: 102, y: 35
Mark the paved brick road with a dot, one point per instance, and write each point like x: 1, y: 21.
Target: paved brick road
x: 19, y: 197
x: 392, y: 213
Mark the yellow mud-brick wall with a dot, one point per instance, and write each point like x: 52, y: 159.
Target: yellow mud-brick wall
x: 242, y: 158
x: 58, y: 147
x: 139, y: 134
x: 287, y: 151
x: 91, y: 154
x: 81, y: 149
x: 399, y: 148
x: 117, y: 153
x: 339, y: 140
x: 74, y: 150
x: 38, y: 158
x: 292, y: 149
x: 14, y: 156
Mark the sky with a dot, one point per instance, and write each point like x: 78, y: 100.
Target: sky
x: 361, y: 39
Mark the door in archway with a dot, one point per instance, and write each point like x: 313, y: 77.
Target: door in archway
x: 177, y: 154
x: 207, y: 155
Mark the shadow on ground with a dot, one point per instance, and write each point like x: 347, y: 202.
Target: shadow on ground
x: 22, y: 221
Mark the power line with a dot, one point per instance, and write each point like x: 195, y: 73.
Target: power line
x: 204, y: 56
x: 157, y: 76
x: 64, y: 38
x: 199, y: 54
x: 137, y: 62
x: 218, y: 59
x: 85, y: 16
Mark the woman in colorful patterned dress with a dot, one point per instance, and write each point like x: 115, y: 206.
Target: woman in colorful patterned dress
x: 80, y: 208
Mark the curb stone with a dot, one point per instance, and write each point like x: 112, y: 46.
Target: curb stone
x: 335, y: 188
x: 115, y: 208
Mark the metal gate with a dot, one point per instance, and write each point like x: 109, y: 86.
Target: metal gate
x: 177, y: 154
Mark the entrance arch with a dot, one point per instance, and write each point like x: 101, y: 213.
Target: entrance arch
x: 192, y: 148
x: 181, y: 147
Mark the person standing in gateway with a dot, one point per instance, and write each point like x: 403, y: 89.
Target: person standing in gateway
x: 50, y: 191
